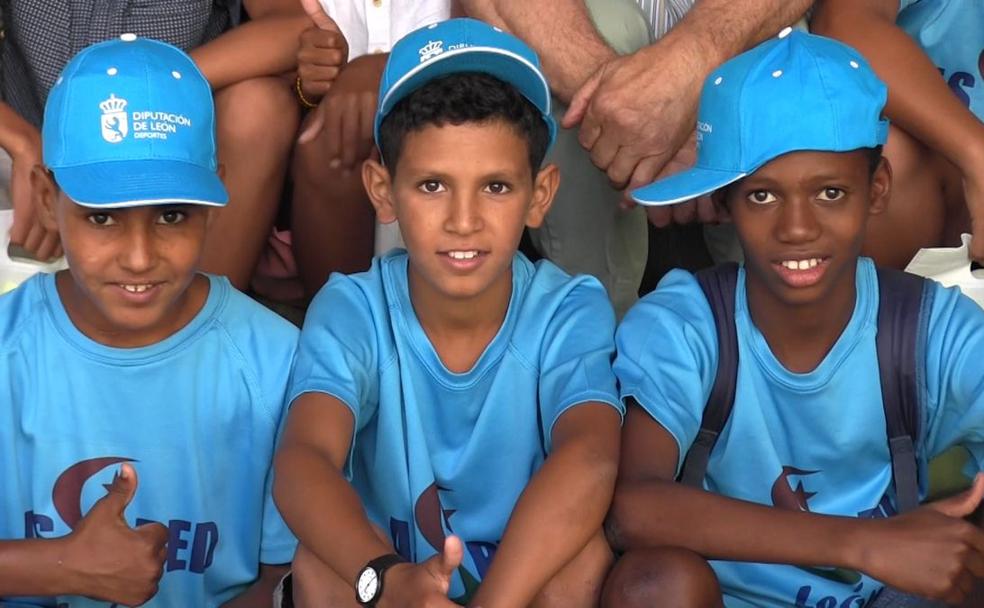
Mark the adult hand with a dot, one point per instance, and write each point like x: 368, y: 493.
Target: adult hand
x: 637, y: 111
x: 344, y: 118
x: 931, y: 552
x: 423, y: 585
x: 323, y: 51
x: 111, y: 561
x: 27, y: 230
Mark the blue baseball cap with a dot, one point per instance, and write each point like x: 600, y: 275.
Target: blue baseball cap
x: 462, y: 45
x: 792, y: 93
x: 131, y: 122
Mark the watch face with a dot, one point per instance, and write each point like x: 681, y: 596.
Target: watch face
x: 367, y: 585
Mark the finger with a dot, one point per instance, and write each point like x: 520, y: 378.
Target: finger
x: 334, y: 123
x: 623, y: 166
x: 706, y: 211
x: 320, y: 57
x: 315, y: 124
x: 977, y: 242
x: 684, y: 213
x: 452, y: 555
x: 603, y: 152
x: 368, y: 116
x: 35, y: 235
x: 314, y: 11
x: 351, y: 132
x: 120, y: 492
x: 659, y: 216
x: 578, y: 108
x: 23, y: 220
x: 157, y: 534
x: 962, y: 504
x: 47, y: 251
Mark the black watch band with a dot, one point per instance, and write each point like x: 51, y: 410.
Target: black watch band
x: 379, y: 565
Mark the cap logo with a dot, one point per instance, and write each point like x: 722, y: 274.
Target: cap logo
x: 431, y: 50
x: 113, y: 119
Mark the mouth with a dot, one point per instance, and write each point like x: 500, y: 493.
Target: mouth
x: 463, y: 259
x: 802, y: 272
x: 138, y: 292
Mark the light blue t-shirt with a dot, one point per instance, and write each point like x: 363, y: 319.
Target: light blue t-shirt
x: 197, y: 415
x: 436, y: 452
x: 951, y: 32
x: 815, y: 441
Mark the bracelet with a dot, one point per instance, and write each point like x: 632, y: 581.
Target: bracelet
x: 300, y: 95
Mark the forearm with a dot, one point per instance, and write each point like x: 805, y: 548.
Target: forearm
x: 16, y: 134
x: 34, y: 567
x: 324, y: 511
x: 666, y: 513
x: 270, y: 44
x: 919, y: 101
x: 259, y: 594
x: 569, y: 59
x: 562, y: 507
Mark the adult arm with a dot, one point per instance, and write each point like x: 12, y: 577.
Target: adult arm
x: 919, y: 101
x: 561, y: 508
x: 637, y: 111
x: 560, y: 31
x: 931, y: 551
x: 260, y: 593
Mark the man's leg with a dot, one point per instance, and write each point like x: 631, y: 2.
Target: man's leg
x: 256, y: 123
x: 586, y: 231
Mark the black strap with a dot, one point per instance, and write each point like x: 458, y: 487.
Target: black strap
x: 718, y: 284
x: 903, y: 298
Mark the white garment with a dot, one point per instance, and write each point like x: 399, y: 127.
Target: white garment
x: 373, y: 26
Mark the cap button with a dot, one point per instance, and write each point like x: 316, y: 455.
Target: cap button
x: 128, y: 37
x: 785, y: 32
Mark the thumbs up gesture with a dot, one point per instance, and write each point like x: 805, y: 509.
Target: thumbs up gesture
x: 108, y: 559
x: 424, y: 585
x: 931, y: 552
x: 322, y: 53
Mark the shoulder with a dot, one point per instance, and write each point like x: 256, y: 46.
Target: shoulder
x: 246, y: 319
x: 19, y: 308
x: 548, y: 287
x: 348, y: 297
x: 677, y: 299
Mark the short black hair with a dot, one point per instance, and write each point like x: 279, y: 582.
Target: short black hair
x: 456, y: 99
x: 874, y: 159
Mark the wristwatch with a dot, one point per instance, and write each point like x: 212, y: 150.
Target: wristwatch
x: 369, y: 584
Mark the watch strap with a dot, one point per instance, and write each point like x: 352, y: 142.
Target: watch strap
x: 380, y: 565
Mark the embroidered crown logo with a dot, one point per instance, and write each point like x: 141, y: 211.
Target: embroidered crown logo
x: 113, y: 119
x: 431, y: 49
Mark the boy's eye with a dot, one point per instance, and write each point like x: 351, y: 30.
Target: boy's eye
x: 101, y: 219
x: 761, y: 197
x: 498, y: 188
x: 831, y: 194
x: 171, y: 216
x: 431, y: 186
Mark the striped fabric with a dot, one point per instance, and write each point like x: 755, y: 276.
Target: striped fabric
x: 664, y: 14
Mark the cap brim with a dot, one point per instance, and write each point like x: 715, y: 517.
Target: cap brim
x: 500, y: 63
x: 684, y: 186
x: 134, y: 183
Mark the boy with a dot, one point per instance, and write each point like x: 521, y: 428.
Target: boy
x: 800, y: 481
x: 936, y: 145
x: 454, y: 421
x: 132, y: 357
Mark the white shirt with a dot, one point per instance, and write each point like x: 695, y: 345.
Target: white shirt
x: 373, y: 26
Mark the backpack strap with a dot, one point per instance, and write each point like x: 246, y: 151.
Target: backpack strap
x: 904, y: 301
x: 718, y: 284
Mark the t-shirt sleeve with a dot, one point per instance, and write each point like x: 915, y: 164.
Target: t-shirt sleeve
x: 337, y: 352
x: 954, y: 385
x: 576, y: 360
x: 668, y: 354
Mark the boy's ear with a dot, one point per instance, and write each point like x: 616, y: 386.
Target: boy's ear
x: 44, y: 195
x: 545, y: 185
x: 379, y: 186
x: 881, y: 187
x: 720, y: 199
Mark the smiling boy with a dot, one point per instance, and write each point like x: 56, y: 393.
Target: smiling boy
x: 454, y: 422
x: 132, y: 361
x: 797, y: 503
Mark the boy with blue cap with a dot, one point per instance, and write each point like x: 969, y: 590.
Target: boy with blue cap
x: 795, y: 484
x: 131, y: 361
x: 454, y: 426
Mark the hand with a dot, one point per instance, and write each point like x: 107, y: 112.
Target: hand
x: 111, y: 561
x: 27, y: 229
x: 322, y: 53
x: 973, y: 186
x: 638, y: 110
x: 932, y: 551
x: 344, y: 118
x: 423, y: 585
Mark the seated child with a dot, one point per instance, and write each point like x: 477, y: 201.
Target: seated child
x: 454, y: 423
x: 800, y: 481
x: 131, y: 361
x: 936, y: 145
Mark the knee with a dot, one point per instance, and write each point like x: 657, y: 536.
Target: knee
x: 256, y: 114
x: 667, y: 577
x: 621, y: 23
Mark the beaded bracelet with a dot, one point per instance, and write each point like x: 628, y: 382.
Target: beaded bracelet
x: 300, y: 95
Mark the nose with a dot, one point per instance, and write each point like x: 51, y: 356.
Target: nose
x: 463, y: 215
x: 797, y: 222
x: 139, y: 253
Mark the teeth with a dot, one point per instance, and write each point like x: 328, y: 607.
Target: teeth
x: 801, y: 264
x: 136, y: 288
x: 463, y: 255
